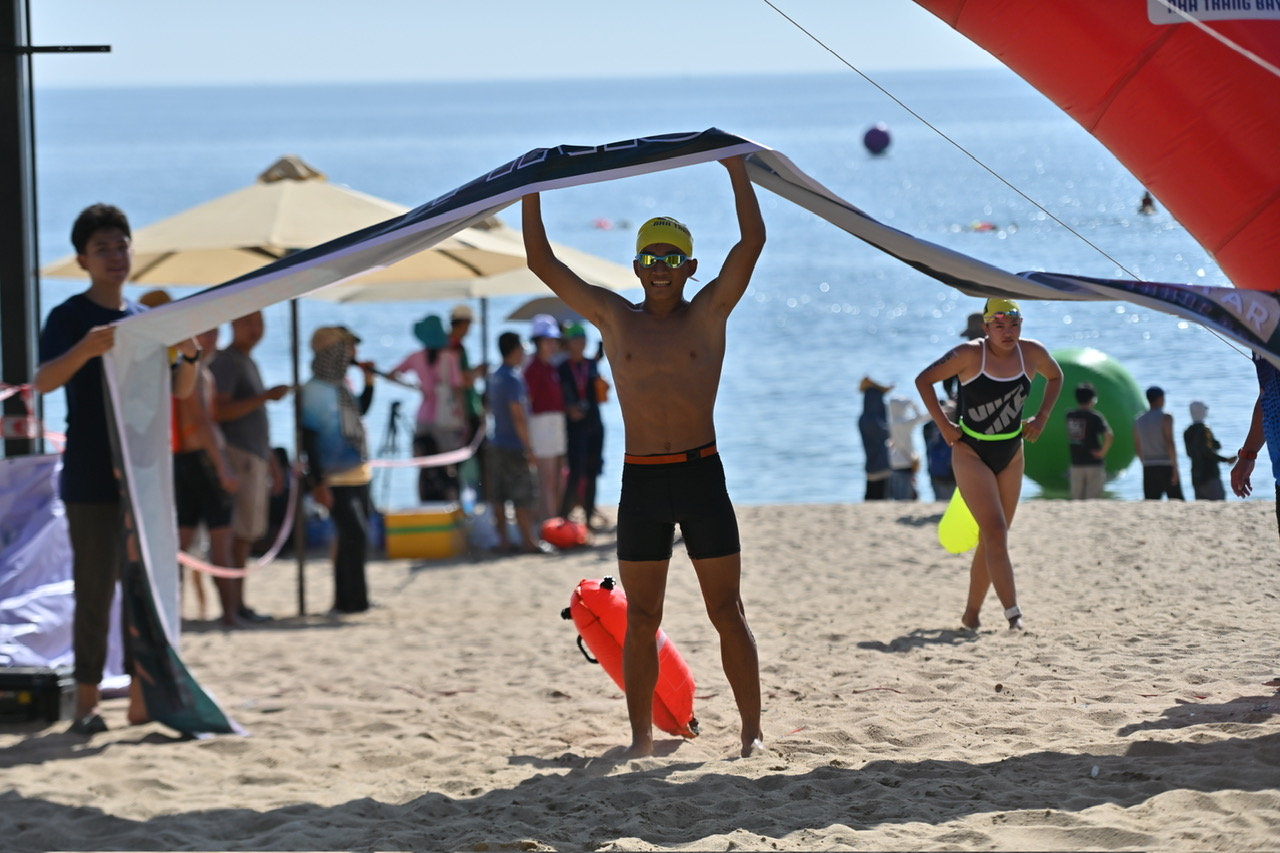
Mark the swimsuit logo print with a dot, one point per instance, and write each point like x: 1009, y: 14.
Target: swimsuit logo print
x: 1003, y: 413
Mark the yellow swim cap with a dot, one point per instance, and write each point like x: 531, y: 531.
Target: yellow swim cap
x: 1001, y: 306
x: 664, y: 229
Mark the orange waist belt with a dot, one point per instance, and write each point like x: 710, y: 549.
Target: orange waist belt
x: 670, y: 458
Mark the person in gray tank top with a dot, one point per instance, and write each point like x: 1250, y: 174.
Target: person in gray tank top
x: 1153, y: 441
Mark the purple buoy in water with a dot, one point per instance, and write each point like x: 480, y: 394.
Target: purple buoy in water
x: 877, y: 138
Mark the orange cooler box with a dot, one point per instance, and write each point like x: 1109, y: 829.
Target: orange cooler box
x: 429, y: 532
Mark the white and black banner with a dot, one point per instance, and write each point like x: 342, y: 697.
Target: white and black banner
x: 138, y: 374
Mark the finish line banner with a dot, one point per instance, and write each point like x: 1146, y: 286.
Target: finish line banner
x: 138, y: 376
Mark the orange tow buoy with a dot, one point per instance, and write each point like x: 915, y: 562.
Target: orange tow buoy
x: 563, y: 533
x: 598, y: 609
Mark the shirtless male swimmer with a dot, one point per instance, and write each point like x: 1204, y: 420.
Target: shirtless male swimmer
x: 666, y: 354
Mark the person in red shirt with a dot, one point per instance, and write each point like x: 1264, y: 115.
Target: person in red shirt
x: 547, y: 422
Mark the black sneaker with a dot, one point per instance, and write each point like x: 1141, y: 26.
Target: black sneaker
x: 89, y: 725
x: 250, y: 615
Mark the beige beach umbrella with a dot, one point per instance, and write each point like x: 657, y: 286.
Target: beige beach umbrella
x: 400, y: 282
x: 291, y: 206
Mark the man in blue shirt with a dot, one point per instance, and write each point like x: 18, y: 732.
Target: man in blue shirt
x: 1264, y: 429
x: 510, y: 448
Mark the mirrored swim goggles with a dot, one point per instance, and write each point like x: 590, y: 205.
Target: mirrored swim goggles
x: 1012, y: 315
x: 674, y: 260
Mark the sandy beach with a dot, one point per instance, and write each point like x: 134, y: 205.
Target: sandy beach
x: 1138, y: 711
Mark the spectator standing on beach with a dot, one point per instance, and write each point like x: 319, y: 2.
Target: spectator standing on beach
x: 579, y: 379
x: 1089, y: 439
x: 510, y: 461
x: 204, y: 481
x: 240, y: 407
x: 1202, y: 449
x: 441, y: 422
x: 1153, y: 441
x: 873, y: 425
x: 547, y: 416
x: 1264, y: 428
x: 469, y: 472
x: 667, y: 353
x: 337, y: 459
x: 995, y: 374
x: 937, y: 454
x: 75, y: 336
x: 904, y: 417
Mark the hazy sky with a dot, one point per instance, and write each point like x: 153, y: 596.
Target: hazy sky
x: 176, y: 42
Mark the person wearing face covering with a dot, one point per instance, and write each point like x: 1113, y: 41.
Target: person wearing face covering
x: 1202, y: 449
x: 337, y: 459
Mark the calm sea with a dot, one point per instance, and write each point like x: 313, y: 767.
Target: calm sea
x: 823, y: 309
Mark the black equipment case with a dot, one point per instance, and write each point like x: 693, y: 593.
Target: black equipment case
x: 29, y: 693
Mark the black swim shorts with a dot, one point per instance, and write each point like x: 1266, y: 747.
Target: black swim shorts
x: 198, y: 493
x: 655, y: 498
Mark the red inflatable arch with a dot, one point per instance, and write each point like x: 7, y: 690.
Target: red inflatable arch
x: 1195, y: 120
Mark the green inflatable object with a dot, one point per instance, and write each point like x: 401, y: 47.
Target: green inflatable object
x: 1120, y: 401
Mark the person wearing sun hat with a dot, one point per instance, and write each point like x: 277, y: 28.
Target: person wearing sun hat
x: 666, y: 353
x: 440, y: 424
x: 336, y: 451
x: 995, y: 374
x: 547, y: 419
x: 873, y: 426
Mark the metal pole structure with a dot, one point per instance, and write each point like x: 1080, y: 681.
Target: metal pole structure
x: 18, y: 255
x: 299, y: 505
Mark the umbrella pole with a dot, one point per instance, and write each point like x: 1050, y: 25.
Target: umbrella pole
x: 299, y: 507
x: 484, y: 330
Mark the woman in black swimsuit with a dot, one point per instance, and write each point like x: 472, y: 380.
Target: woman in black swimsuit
x: 995, y: 376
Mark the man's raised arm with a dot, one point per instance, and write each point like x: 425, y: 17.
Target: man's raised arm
x: 735, y: 275
x: 587, y: 299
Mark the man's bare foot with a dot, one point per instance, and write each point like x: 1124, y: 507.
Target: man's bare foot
x: 755, y: 747
x: 640, y: 748
x: 137, y: 716
x: 970, y: 620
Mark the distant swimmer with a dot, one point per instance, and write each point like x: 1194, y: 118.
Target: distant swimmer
x: 1148, y: 205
